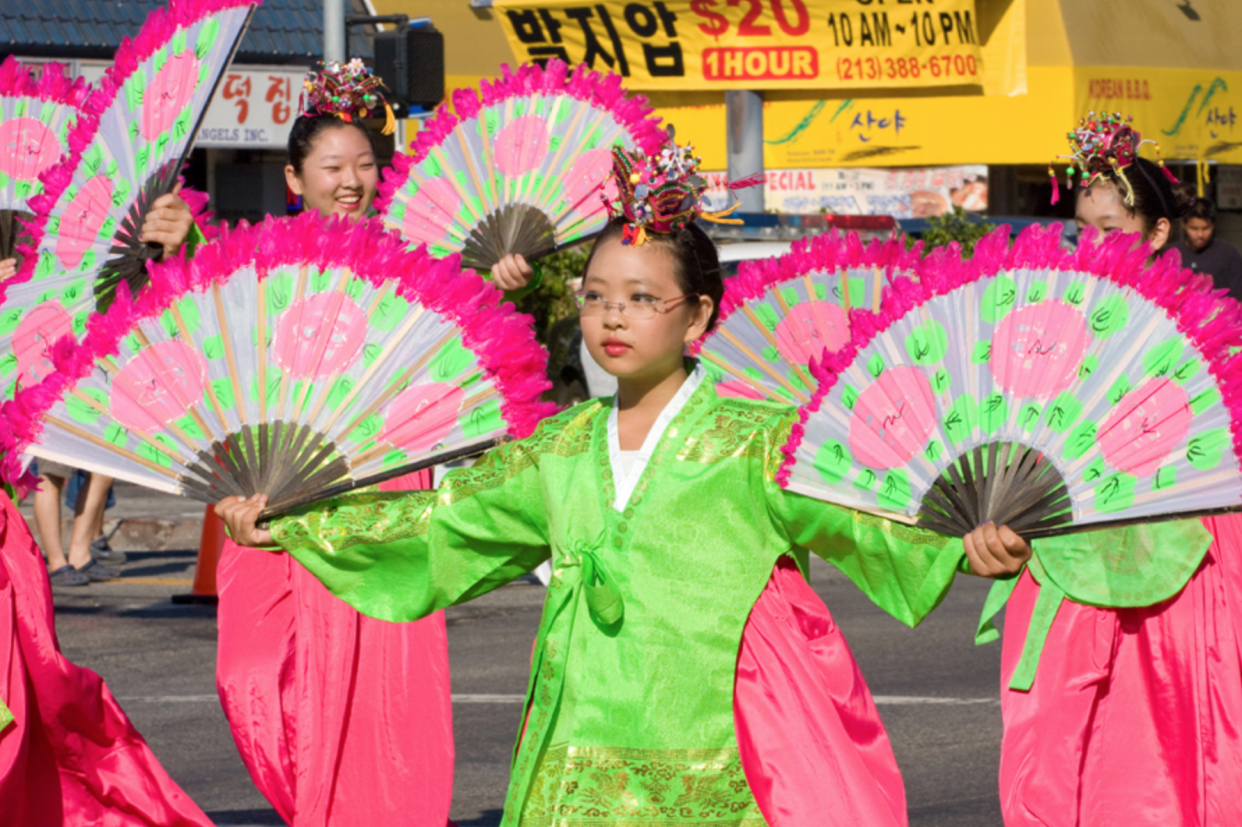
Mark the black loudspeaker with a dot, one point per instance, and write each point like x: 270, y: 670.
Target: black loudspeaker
x: 411, y: 64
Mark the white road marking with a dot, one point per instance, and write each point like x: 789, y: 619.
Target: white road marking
x: 914, y: 700
x: 881, y: 700
x: 489, y: 699
x: 169, y: 699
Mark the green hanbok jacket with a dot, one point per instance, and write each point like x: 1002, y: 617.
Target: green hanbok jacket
x: 629, y: 711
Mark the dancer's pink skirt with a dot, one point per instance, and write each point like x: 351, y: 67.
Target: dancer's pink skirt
x: 341, y: 719
x: 70, y: 757
x: 1135, y: 716
x: 813, y: 746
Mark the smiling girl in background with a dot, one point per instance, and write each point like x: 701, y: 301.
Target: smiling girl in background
x: 340, y: 718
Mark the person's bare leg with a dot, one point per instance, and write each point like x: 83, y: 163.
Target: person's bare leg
x: 47, y: 518
x: 88, y: 518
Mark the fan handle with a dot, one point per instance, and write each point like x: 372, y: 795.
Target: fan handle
x: 12, y: 232
x: 473, y: 449
x: 1078, y: 528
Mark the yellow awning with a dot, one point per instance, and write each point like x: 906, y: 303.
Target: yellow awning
x: 1170, y: 64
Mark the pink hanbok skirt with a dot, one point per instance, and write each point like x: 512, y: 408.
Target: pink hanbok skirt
x: 814, y: 749
x: 70, y: 756
x: 1135, y: 716
x: 341, y: 719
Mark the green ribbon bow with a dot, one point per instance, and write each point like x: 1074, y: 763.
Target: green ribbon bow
x: 602, y: 596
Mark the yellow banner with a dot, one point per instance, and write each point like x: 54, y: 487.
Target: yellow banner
x: 1192, y: 113
x: 755, y: 44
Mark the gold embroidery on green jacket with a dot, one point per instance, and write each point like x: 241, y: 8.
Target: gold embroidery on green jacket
x: 900, y: 531
x: 582, y: 786
x: 738, y: 430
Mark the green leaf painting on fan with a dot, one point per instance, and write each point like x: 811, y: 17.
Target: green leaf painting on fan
x: 781, y: 313
x: 126, y: 149
x: 275, y: 363
x: 519, y: 169
x: 1035, y: 387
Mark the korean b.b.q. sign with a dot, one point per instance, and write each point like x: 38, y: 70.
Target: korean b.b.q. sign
x: 754, y: 44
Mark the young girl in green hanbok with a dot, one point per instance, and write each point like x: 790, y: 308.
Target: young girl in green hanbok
x: 684, y: 672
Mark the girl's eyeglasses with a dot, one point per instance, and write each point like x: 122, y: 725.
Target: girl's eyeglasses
x: 592, y: 303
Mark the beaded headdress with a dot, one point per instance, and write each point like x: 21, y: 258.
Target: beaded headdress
x: 661, y: 193
x: 1103, y: 145
x: 346, y: 90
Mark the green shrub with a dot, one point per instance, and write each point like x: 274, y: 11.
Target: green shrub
x: 954, y: 226
x: 553, y: 299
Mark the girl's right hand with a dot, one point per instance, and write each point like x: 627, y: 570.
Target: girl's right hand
x: 995, y: 551
x: 512, y: 272
x: 8, y: 268
x: 240, y: 516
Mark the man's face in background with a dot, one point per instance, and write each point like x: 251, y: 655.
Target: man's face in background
x: 1199, y: 233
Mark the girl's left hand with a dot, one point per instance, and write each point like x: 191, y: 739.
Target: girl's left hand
x: 995, y: 552
x: 168, y: 222
x: 8, y: 268
x: 512, y: 273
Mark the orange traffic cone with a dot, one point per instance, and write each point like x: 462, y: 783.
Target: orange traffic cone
x: 209, y: 548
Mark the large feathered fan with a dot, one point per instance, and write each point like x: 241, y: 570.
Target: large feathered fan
x: 126, y: 150
x: 38, y: 106
x: 1035, y: 387
x: 298, y: 358
x: 520, y: 170
x: 778, y: 314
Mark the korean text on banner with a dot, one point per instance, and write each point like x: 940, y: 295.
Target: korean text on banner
x: 754, y: 44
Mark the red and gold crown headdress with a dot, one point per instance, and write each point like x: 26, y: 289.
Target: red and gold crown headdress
x: 1101, y: 146
x: 346, y: 90
x: 660, y: 193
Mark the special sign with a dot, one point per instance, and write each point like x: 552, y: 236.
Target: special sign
x: 754, y: 44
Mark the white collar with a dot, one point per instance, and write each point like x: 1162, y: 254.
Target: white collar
x: 624, y: 482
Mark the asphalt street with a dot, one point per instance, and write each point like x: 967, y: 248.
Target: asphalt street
x: 936, y: 691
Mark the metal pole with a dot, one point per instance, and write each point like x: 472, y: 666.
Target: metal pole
x: 333, y: 30
x: 744, y: 124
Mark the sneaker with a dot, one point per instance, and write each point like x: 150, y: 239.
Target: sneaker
x: 102, y: 552
x: 98, y: 573
x: 67, y: 575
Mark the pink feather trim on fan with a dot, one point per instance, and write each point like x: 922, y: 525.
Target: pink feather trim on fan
x: 1209, y: 319
x: 45, y: 81
x: 603, y: 90
x: 826, y: 252
x: 159, y: 27
x: 502, y: 337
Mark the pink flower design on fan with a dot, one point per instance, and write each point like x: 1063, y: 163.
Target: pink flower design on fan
x: 582, y: 183
x: 308, y: 346
x: 169, y: 92
x: 27, y: 148
x: 421, y: 415
x: 522, y: 145
x: 810, y: 329
x: 80, y: 223
x: 737, y: 389
x: 158, y: 386
x: 429, y: 213
x: 892, y: 418
x: 1147, y: 424
x: 1037, y: 349
x: 33, y: 338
